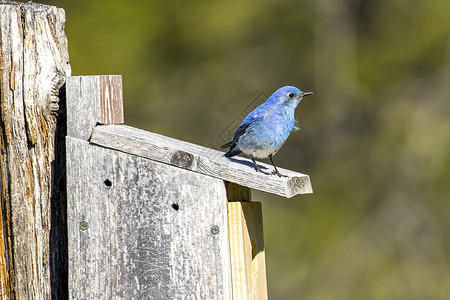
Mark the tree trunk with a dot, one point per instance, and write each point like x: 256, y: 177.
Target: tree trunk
x: 33, y: 235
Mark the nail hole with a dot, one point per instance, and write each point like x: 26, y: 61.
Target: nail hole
x: 175, y: 206
x: 107, y: 182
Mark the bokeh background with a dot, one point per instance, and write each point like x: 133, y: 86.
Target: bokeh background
x: 375, y: 136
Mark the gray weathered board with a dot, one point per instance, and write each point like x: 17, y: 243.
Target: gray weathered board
x: 140, y: 229
x: 93, y: 100
x: 199, y: 159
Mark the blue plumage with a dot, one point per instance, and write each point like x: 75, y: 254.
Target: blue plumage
x: 263, y: 132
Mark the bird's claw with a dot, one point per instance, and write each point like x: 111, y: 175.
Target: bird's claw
x: 278, y: 173
x: 261, y: 171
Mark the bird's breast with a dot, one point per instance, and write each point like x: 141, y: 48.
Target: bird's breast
x: 264, y: 153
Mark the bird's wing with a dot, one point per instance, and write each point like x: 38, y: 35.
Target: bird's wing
x: 255, y: 116
x: 240, y: 131
x: 248, y: 121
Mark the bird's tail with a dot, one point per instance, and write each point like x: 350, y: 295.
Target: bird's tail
x: 226, y: 145
x: 233, y: 149
x: 232, y: 152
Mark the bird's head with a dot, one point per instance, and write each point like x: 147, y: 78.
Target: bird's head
x: 288, y: 95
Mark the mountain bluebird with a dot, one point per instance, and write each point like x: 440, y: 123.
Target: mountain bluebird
x: 265, y: 129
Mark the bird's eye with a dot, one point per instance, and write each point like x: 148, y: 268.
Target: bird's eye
x: 291, y: 95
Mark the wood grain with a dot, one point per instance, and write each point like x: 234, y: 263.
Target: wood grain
x: 199, y: 159
x: 236, y: 192
x: 111, y: 99
x: 93, y: 100
x: 148, y: 228
x: 33, y: 65
x: 247, y: 255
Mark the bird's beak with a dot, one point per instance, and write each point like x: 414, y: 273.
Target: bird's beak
x: 306, y: 94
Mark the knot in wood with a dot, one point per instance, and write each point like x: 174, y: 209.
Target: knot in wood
x: 182, y: 159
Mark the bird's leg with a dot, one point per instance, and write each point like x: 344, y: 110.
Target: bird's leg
x: 257, y: 168
x: 276, y: 170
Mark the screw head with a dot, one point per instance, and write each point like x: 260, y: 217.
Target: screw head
x: 84, y: 225
x: 215, y: 229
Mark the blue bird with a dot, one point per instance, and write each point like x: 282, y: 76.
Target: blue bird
x: 267, y: 127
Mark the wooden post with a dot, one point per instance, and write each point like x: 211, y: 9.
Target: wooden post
x: 33, y: 65
x: 246, y: 240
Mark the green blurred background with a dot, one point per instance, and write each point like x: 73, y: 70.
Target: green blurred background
x: 375, y: 136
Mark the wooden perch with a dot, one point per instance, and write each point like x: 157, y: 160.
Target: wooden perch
x: 199, y: 159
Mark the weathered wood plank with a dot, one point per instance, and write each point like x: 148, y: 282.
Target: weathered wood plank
x: 111, y: 99
x: 199, y: 159
x: 140, y: 229
x: 34, y: 62
x: 248, y: 269
x: 93, y: 100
